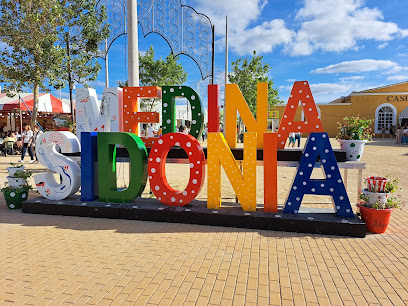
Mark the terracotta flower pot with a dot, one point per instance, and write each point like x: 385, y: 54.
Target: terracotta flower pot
x: 14, y: 199
x: 376, y: 220
x: 376, y: 183
x: 354, y: 148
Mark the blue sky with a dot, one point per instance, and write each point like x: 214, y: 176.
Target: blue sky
x: 339, y: 46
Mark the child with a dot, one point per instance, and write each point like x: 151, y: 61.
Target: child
x: 291, y: 139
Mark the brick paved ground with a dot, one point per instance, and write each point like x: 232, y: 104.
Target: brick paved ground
x: 59, y: 260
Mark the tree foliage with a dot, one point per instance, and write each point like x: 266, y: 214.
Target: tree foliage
x: 247, y: 73
x: 33, y: 35
x: 84, y: 31
x: 29, y: 32
x: 158, y: 73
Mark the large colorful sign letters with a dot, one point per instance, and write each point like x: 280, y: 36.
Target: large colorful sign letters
x: 101, y: 134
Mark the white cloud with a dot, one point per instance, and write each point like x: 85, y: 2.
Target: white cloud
x: 335, y: 26
x: 291, y: 80
x: 352, y: 78
x: 243, y: 39
x: 263, y: 38
x: 382, y: 46
x: 97, y: 83
x: 398, y: 78
x: 357, y: 66
x: 397, y: 69
x: 321, y: 88
x: 328, y: 88
x: 327, y: 25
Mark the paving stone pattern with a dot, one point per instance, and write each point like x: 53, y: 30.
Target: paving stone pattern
x: 71, y: 260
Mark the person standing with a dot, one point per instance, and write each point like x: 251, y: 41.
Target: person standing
x: 291, y: 139
x: 37, y: 133
x: 398, y: 134
x: 150, y: 131
x: 27, y: 139
x: 297, y: 138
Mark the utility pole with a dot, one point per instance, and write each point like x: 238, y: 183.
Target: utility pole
x: 70, y: 79
x: 106, y: 63
x: 133, y: 48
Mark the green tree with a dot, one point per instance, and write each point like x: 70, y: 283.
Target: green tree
x: 247, y: 73
x: 29, y: 32
x: 84, y: 31
x: 157, y: 73
x: 48, y: 42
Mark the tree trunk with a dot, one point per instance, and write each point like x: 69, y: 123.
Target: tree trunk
x: 35, y: 105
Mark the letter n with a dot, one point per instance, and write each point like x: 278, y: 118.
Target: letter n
x: 235, y: 102
x: 244, y: 184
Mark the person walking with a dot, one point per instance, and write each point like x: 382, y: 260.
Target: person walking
x: 27, y: 139
x: 36, y: 134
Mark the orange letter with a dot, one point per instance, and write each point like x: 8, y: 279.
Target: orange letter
x: 235, y: 102
x: 300, y: 93
x: 270, y: 158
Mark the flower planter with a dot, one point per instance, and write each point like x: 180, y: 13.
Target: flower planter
x: 354, y: 148
x: 376, y: 220
x: 14, y: 198
x: 12, y: 170
x: 374, y: 197
x: 376, y: 183
x: 16, y: 182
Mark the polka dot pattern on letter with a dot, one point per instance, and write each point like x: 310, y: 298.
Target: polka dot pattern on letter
x: 163, y: 192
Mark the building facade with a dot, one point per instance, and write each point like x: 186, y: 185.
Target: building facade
x: 387, y: 106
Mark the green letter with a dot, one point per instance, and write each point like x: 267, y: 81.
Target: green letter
x: 108, y: 191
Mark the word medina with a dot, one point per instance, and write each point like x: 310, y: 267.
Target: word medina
x: 102, y: 127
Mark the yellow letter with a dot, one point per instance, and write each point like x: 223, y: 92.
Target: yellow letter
x: 219, y: 154
x: 234, y: 102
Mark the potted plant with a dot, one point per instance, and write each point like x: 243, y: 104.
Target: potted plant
x: 14, y: 167
x: 376, y: 213
x: 19, y: 178
x: 14, y: 196
x: 353, y: 135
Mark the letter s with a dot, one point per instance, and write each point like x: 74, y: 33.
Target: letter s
x: 68, y: 169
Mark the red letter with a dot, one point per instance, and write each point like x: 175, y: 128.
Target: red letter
x: 300, y: 93
x: 213, y: 108
x: 157, y: 160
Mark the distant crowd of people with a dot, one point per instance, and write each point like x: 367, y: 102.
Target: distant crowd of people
x: 15, y: 143
x: 401, y: 134
x: 150, y: 131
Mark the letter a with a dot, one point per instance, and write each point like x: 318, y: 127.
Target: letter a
x: 300, y: 93
x: 318, y: 145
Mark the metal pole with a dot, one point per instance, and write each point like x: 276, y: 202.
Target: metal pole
x: 213, y: 55
x: 106, y: 63
x: 133, y: 49
x: 21, y: 115
x: 226, y: 68
x: 70, y: 82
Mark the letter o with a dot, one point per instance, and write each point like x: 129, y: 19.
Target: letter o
x: 157, y: 160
